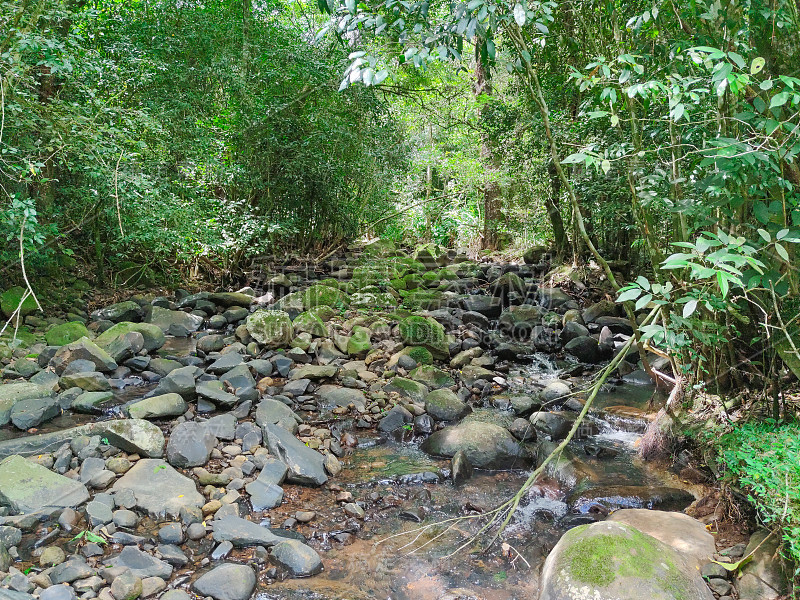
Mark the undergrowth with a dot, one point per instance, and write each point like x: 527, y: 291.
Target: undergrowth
x: 764, y: 459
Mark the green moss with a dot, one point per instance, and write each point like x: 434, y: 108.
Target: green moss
x: 310, y: 323
x: 154, y: 338
x: 323, y: 295
x: 11, y: 298
x: 398, y: 284
x: 420, y: 354
x: 426, y: 332
x: 66, y: 333
x: 424, y: 300
x: 600, y: 559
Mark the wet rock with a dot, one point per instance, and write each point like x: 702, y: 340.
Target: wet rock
x: 13, y: 393
x: 227, y: 582
x: 488, y: 306
x: 612, y: 497
x: 190, y: 445
x: 444, y: 405
x: 487, y: 446
x: 153, y: 337
x: 555, y: 425
x: 408, y: 388
x: 613, y: 560
x: 395, y: 419
x: 552, y: 297
x: 158, y: 488
x: 571, y: 331
x: 122, y: 311
x: 28, y: 487
x: 141, y: 564
x: 71, y: 570
x: 585, y: 349
x: 297, y: 558
x: 175, y: 322
x: 523, y: 430
x: 156, y: 407
x: 305, y: 466
x: 460, y: 468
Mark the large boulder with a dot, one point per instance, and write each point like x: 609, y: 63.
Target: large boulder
x: 34, y: 412
x: 190, y: 445
x: 122, y: 311
x: 426, y: 332
x: 444, y: 405
x: 270, y: 328
x: 586, y: 349
x: 154, y: 338
x: 486, y: 446
x: 157, y: 407
x: 306, y: 465
x: 324, y: 295
x: 83, y: 349
x: 159, y: 489
x: 297, y: 558
x: 27, y: 487
x: 614, y: 560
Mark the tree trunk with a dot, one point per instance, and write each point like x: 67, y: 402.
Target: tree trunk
x: 492, y: 203
x: 552, y: 202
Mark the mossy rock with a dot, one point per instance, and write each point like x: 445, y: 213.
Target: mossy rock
x: 324, y: 295
x: 424, y: 300
x: 325, y: 313
x: 432, y: 377
x: 10, y: 300
x: 426, y: 332
x: 153, y: 336
x: 413, y: 281
x: 380, y: 247
x: 270, y: 328
x: 359, y: 343
x: 408, y: 388
x: 398, y: 284
x: 331, y: 282
x: 430, y: 277
x: 293, y: 303
x: 66, y: 333
x: 310, y: 323
x: 372, y: 301
x: 614, y: 560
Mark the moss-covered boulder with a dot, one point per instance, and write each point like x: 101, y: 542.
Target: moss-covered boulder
x: 66, y: 333
x: 380, y: 247
x: 432, y: 377
x: 372, y: 300
x: 425, y: 332
x: 486, y: 445
x: 431, y: 255
x: 11, y: 299
x: 408, y: 388
x: 444, y: 405
x: 309, y: 322
x: 326, y: 313
x: 359, y: 343
x: 614, y: 560
x: 270, y: 328
x: 291, y: 303
x: 121, y: 311
x: 424, y: 300
x: 420, y: 354
x: 323, y: 295
x: 154, y: 338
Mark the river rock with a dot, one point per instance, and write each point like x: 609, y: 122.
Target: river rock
x: 88, y: 381
x: 190, y: 445
x: 586, y: 349
x: 28, y: 487
x: 32, y: 413
x: 141, y: 564
x: 425, y: 332
x: 613, y: 497
x: 228, y: 299
x: 444, y: 405
x: 395, y: 419
x: 175, y: 322
x: 334, y: 395
x: 12, y: 393
x: 227, y: 582
x: 297, y: 558
x: 242, y: 533
x: 555, y: 425
x: 66, y: 333
x: 614, y: 560
x: 688, y: 536
x: 83, y: 349
x: 408, y: 388
x: 766, y: 576
x: 122, y: 311
x: 486, y: 446
x: 154, y: 338
x: 305, y: 465
x: 156, y: 407
x: 180, y: 381
x: 158, y: 488
x: 277, y: 413
x: 270, y: 328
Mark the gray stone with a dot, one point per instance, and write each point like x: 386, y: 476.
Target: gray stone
x: 297, y: 558
x: 555, y: 425
x: 487, y: 446
x: 58, y: 592
x: 242, y: 533
x: 227, y: 582
x: 158, y: 488
x: 215, y: 392
x: 126, y: 586
x: 71, y: 570
x: 156, y: 407
x: 12, y: 393
x: 180, y: 381
x: 83, y: 349
x: 141, y: 564
x: 174, y: 321
x: 91, y: 402
x: 334, y: 395
x: 444, y: 405
x: 32, y: 413
x: 29, y: 487
x: 122, y: 311
x: 190, y: 445
x: 614, y: 560
x: 305, y: 465
x: 277, y: 413
x: 585, y: 349
x: 395, y: 419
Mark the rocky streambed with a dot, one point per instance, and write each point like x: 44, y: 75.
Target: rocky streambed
x: 316, y: 436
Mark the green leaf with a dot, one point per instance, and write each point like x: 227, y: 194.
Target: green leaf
x: 782, y: 252
x: 643, y: 283
x: 578, y: 157
x: 630, y: 294
x: 606, y: 166
x: 722, y: 279
x: 764, y: 235
x: 643, y: 301
x: 757, y: 64
x: 519, y: 14
x: 782, y: 234
x: 689, y: 308
x: 779, y: 99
